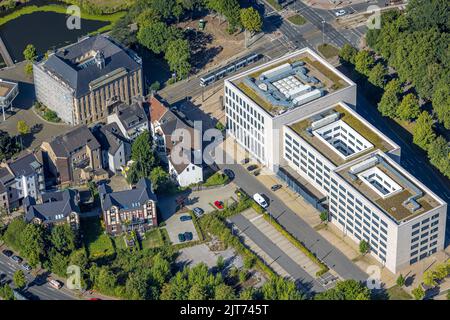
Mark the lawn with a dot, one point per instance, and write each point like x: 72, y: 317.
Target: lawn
x: 97, y: 243
x: 328, y: 51
x: 63, y: 10
x: 216, y: 179
x: 155, y: 238
x: 275, y: 4
x: 297, y: 19
x: 398, y: 293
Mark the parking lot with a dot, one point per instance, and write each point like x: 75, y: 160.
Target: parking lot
x: 175, y: 226
x: 205, y: 199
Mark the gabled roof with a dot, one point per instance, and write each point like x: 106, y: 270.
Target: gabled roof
x: 53, y: 203
x: 25, y: 165
x: 157, y: 109
x: 64, y: 145
x: 110, y: 137
x: 127, y: 199
x: 131, y: 115
x: 65, y: 62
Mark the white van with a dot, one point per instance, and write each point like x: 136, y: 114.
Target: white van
x: 260, y: 200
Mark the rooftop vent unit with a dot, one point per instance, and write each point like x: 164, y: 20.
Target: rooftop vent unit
x: 411, y: 204
x: 307, y: 97
x: 314, y: 80
x: 263, y: 86
x: 277, y: 70
x: 297, y: 64
x: 309, y: 132
x: 368, y: 163
x: 324, y: 121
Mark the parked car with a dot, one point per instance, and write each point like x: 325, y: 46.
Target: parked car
x: 188, y: 236
x: 16, y: 259
x: 198, y: 211
x: 2, y: 275
x: 181, y: 237
x: 185, y: 218
x: 55, y: 283
x: 7, y: 253
x: 245, y: 161
x: 229, y: 173
x: 256, y: 172
x: 275, y: 187
x: 218, y: 204
x: 340, y: 13
x: 26, y: 267
x: 252, y: 167
x: 260, y: 200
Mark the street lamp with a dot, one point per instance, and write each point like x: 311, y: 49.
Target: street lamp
x: 323, y: 31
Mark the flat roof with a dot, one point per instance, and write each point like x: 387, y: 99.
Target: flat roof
x: 360, y: 126
x: 395, y: 204
x: 290, y: 81
x: 6, y: 87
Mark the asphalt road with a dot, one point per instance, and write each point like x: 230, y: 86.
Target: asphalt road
x: 37, y: 290
x: 301, y: 277
x: 297, y: 227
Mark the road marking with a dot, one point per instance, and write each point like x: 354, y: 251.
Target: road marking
x: 255, y: 218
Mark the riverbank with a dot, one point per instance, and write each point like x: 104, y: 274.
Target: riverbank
x: 112, y: 18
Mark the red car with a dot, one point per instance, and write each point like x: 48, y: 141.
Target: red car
x: 218, y: 204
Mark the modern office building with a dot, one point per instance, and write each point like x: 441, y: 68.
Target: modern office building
x: 258, y: 102
x: 82, y: 81
x: 333, y: 157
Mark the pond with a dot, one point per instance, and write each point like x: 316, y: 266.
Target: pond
x: 45, y: 30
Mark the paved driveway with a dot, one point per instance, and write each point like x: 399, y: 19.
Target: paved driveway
x: 205, y: 198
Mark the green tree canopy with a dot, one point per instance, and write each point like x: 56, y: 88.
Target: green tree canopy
x: 364, y: 61
x: 377, y: 75
x: 30, y: 53
x: 441, y: 103
x: 390, y: 100
x: 251, y: 20
x: 19, y: 279
x: 177, y: 56
x: 423, y: 134
x: 32, y: 243
x: 348, y: 53
x: 409, y: 108
x: 156, y: 36
x: 439, y: 155
x: 345, y: 290
x: 278, y: 288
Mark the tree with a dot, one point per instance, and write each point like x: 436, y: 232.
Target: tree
x: 377, y: 75
x: 423, y: 134
x: 220, y: 263
x: 348, y: 53
x: 30, y: 53
x: 251, y: 20
x: 63, y: 238
x: 345, y: 290
x: 157, y: 35
x: 32, y: 243
x: 159, y: 178
x: 390, y: 99
x: 364, y: 247
x: 58, y: 262
x: 8, y: 146
x: 147, y: 17
x: 418, y: 293
x: 142, y: 154
x: 19, y: 279
x: 400, y: 280
x: 364, y: 61
x: 13, y: 233
x: 136, y: 286
x: 197, y: 292
x: 409, y: 108
x: 441, y: 103
x: 224, y: 292
x: 23, y: 129
x: 106, y: 281
x: 177, y: 56
x: 278, y: 288
x: 324, y: 216
x: 6, y: 293
x: 249, y: 261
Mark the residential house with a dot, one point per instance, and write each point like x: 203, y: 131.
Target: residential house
x: 131, y: 119
x: 74, y: 157
x: 20, y: 178
x: 56, y: 208
x: 133, y: 209
x: 115, y: 146
x: 177, y: 143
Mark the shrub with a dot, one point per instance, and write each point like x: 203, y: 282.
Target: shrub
x: 418, y: 293
x: 364, y: 247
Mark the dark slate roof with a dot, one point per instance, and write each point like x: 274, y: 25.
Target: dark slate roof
x: 64, y: 145
x: 5, y: 175
x: 110, y: 137
x: 25, y: 166
x: 53, y: 203
x: 131, y: 115
x: 63, y: 64
x: 127, y: 199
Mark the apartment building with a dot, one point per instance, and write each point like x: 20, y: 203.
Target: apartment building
x: 127, y: 210
x: 74, y: 157
x: 329, y: 153
x: 8, y: 92
x: 131, y: 119
x: 177, y: 143
x: 20, y: 178
x: 82, y: 81
x: 61, y: 207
